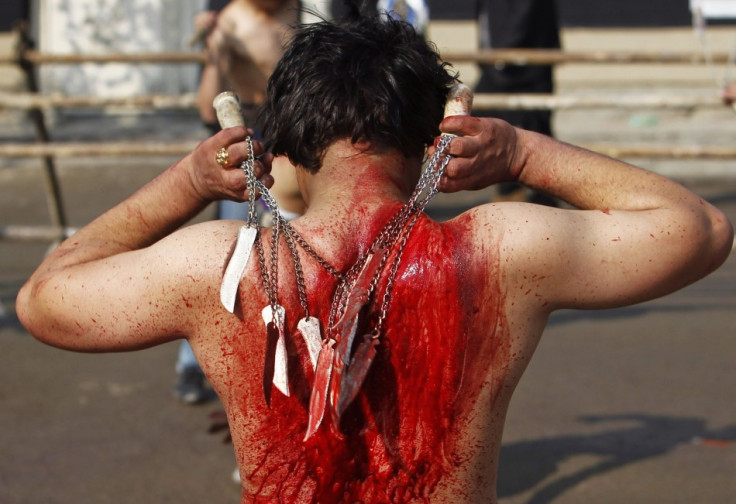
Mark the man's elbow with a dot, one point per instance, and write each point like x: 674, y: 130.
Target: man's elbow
x: 24, y: 308
x: 721, y: 241
x: 29, y: 308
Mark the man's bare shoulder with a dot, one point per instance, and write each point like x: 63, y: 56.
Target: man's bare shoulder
x: 228, y: 17
x: 561, y: 258
x: 233, y: 9
x: 519, y: 240
x: 192, y: 260
x: 198, y: 251
x: 210, y: 227
x: 488, y: 231
x: 491, y: 221
x: 211, y: 237
x: 239, y: 18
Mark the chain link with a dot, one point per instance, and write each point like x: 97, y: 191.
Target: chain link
x: 263, y: 269
x: 300, y: 285
x: 255, y: 186
x: 386, y: 299
x: 269, y: 272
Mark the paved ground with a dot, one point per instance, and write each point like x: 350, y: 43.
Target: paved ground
x: 621, y: 406
x: 632, y: 405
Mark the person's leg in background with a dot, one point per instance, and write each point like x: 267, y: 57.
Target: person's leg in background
x: 191, y: 385
x: 518, y: 24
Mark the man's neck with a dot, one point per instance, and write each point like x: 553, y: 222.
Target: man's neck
x: 351, y: 197
x: 353, y: 177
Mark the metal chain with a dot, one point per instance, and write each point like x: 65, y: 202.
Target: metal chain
x: 269, y: 281
x: 430, y: 180
x: 398, y: 229
x: 269, y: 275
x: 300, y: 285
x: 338, y: 303
x: 432, y: 174
x: 309, y: 250
x: 275, y: 211
x: 339, y: 300
x: 274, y: 278
x: 386, y: 300
x: 249, y: 167
x: 264, y: 270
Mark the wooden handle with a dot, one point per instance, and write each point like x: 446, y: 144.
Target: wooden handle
x: 459, y: 101
x: 227, y: 108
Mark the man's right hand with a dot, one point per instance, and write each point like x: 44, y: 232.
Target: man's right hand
x: 204, y: 23
x: 213, y: 182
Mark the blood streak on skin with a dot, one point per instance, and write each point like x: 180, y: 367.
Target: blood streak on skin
x: 137, y: 214
x: 401, y: 435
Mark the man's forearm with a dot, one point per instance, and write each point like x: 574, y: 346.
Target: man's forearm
x: 164, y: 204
x: 152, y: 212
x: 589, y: 180
x: 50, y: 302
x: 66, y: 301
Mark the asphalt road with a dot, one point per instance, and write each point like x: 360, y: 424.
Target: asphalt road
x: 621, y: 406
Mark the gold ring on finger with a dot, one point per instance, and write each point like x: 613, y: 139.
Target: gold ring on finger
x: 223, y: 157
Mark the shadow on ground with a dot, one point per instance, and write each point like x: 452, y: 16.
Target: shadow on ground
x: 525, y: 465
x: 630, y: 312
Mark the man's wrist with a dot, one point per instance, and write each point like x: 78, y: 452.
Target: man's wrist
x: 524, y: 146
x: 189, y: 186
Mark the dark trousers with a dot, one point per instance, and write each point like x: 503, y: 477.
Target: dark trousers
x: 518, y: 24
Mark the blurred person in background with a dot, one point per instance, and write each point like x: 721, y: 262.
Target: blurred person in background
x: 244, y: 39
x: 243, y: 47
x: 729, y: 94
x: 511, y: 24
x: 414, y: 12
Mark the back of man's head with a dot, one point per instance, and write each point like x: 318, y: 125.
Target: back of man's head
x: 367, y: 79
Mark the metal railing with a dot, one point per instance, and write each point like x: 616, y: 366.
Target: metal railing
x: 27, y: 59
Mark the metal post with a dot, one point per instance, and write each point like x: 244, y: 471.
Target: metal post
x: 53, y: 191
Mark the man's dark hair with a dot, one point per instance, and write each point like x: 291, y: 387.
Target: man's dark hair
x: 367, y: 79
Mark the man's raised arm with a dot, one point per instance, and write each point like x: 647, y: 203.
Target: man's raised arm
x: 90, y: 288
x: 636, y: 236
